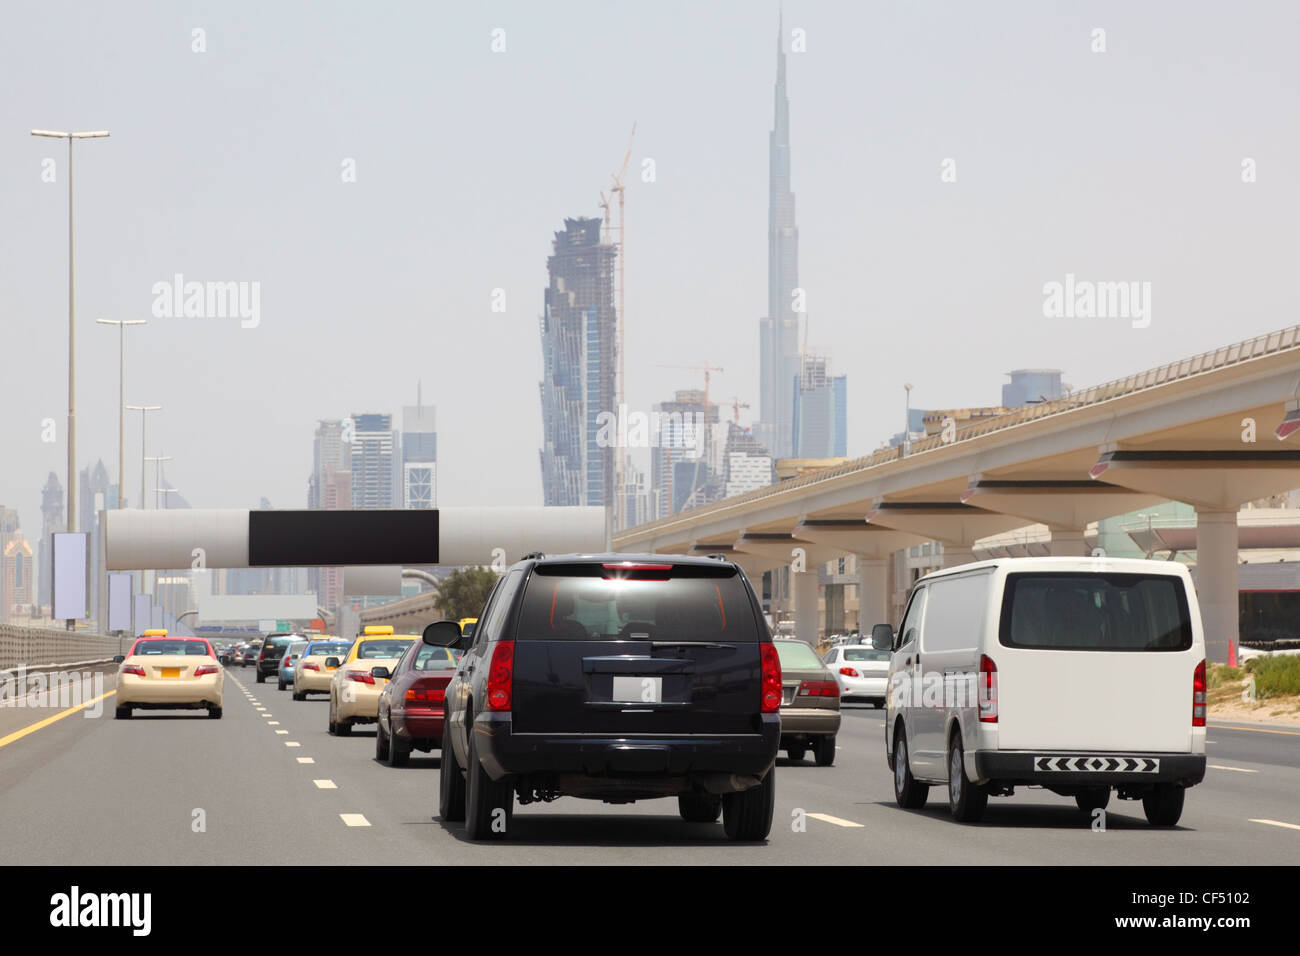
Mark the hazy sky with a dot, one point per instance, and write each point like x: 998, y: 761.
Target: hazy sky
x: 227, y: 165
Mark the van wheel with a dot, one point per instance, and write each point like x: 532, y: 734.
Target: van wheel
x: 699, y: 807
x: 747, y: 816
x: 909, y: 794
x: 489, y: 804
x: 824, y: 751
x: 966, y: 801
x: 451, y: 785
x: 1094, y: 798
x: 1164, y: 805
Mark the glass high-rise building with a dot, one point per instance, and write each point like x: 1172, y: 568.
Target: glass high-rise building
x: 820, y: 411
x: 372, y: 461
x: 419, y: 457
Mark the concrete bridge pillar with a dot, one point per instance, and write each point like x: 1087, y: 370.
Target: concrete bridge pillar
x: 1216, y: 580
x: 873, y: 592
x: 805, y: 604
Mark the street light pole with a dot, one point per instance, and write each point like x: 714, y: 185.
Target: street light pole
x: 72, y: 336
x: 121, y: 402
x: 142, y: 409
x: 157, y: 482
x: 907, y: 421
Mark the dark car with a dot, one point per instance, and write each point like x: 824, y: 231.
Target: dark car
x: 270, y: 654
x: 618, y: 679
x: 411, y: 704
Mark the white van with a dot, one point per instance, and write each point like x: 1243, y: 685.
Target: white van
x: 1079, y: 675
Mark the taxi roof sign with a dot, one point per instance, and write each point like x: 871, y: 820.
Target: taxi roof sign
x: 378, y: 629
x: 155, y: 632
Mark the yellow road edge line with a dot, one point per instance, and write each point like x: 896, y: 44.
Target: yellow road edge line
x: 32, y: 728
x: 1278, y: 823
x: 1258, y: 730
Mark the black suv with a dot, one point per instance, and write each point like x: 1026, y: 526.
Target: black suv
x: 272, y: 652
x: 614, y: 678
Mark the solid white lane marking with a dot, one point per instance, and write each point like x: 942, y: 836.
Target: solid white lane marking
x: 1215, y: 766
x: 325, y: 784
x: 827, y: 818
x: 354, y: 819
x: 1279, y: 823
x: 292, y: 743
x: 306, y: 760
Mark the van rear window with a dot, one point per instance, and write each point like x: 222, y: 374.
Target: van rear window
x: 688, y: 603
x: 1095, y: 612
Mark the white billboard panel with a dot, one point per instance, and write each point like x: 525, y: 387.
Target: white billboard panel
x: 71, y: 554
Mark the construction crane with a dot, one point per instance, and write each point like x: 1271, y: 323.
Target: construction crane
x: 620, y: 389
x: 736, y: 406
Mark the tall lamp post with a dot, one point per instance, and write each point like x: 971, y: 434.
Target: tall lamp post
x: 121, y: 402
x: 72, y: 340
x: 157, y: 483
x: 907, y: 421
x: 143, y: 410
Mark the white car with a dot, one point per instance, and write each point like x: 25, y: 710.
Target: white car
x: 1079, y: 675
x: 862, y: 672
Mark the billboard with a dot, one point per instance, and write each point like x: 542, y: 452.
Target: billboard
x: 142, y: 614
x: 119, y: 602
x: 71, y: 574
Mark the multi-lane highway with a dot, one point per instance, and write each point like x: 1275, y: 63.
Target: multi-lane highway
x: 267, y: 785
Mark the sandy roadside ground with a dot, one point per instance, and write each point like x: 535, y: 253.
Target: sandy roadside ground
x: 1283, y: 711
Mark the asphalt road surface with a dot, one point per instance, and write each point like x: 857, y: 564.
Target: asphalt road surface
x: 266, y: 785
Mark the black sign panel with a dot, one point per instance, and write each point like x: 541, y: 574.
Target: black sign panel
x: 289, y: 539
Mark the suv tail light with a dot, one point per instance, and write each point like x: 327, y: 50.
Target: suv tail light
x: 501, y: 676
x: 135, y: 669
x: 771, y: 688
x: 988, y: 690
x: 848, y: 672
x: 205, y: 669
x: 1198, y: 695
x: 362, y: 676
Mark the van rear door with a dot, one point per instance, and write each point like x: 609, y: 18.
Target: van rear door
x: 1096, y: 661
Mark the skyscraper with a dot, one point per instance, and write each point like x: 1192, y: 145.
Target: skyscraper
x: 419, y: 457
x: 579, y: 356
x: 680, y: 475
x: 820, y: 411
x: 51, y: 521
x: 372, y: 461
x: 779, y: 329
x: 327, y: 452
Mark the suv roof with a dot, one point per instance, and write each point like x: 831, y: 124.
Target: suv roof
x: 609, y: 556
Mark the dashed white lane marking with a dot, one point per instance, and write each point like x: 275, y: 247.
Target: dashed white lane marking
x: 1279, y: 823
x: 292, y: 743
x: 282, y: 732
x: 1215, y: 766
x: 354, y: 819
x: 306, y: 760
x: 273, y: 723
x: 325, y: 785
x: 827, y: 818
x: 260, y: 708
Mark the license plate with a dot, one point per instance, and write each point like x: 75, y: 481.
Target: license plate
x: 639, y: 690
x: 170, y: 671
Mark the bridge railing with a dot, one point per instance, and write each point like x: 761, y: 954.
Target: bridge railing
x: 36, y: 646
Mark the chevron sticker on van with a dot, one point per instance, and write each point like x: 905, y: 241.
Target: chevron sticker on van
x: 1086, y: 764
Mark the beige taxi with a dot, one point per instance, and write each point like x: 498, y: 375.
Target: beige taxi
x: 355, y: 687
x: 311, y: 673
x: 169, y: 673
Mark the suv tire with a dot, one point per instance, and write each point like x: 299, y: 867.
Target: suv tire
x: 451, y: 785
x: 699, y: 807
x: 747, y: 816
x: 484, y: 797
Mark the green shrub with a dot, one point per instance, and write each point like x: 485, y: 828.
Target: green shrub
x: 1275, y: 676
x: 1221, y: 674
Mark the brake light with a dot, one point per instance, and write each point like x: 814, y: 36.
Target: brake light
x: 819, y: 688
x: 501, y: 676
x: 426, y: 695
x: 363, y: 677
x: 205, y: 669
x: 849, y: 672
x: 770, y: 695
x: 988, y: 690
x: 632, y: 570
x: 311, y: 667
x: 1198, y: 695
x: 135, y: 669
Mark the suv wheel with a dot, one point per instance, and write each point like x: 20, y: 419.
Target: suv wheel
x: 489, y: 804
x: 1164, y: 804
x: 451, y: 785
x: 909, y: 794
x: 824, y: 751
x: 261, y: 678
x: 747, y: 816
x: 699, y: 807
x: 966, y: 801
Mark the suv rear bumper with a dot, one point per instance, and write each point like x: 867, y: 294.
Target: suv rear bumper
x: 1101, y: 769
x: 505, y: 753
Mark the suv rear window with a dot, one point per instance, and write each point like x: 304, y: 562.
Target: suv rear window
x: 588, y: 602
x: 1095, y: 612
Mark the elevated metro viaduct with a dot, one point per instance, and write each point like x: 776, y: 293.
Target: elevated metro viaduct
x: 1207, y: 430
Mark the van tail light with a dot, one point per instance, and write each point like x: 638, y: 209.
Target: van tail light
x: 135, y: 669
x: 203, y: 669
x: 363, y: 677
x: 1198, y: 695
x: 771, y: 686
x: 988, y: 690
x: 849, y: 672
x: 819, y: 688
x: 501, y: 676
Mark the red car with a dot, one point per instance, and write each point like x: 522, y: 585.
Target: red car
x: 410, y: 707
